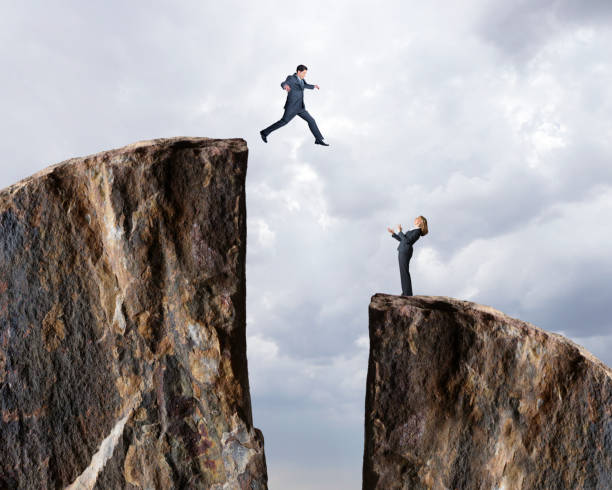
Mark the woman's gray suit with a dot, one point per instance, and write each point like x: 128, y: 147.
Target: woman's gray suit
x: 404, y: 255
x: 294, y: 106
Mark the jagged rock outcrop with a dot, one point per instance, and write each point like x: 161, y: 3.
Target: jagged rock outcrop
x: 122, y: 322
x: 462, y: 396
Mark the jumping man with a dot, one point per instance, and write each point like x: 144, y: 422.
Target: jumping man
x: 294, y: 106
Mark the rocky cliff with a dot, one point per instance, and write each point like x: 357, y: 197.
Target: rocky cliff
x: 462, y: 396
x: 122, y: 322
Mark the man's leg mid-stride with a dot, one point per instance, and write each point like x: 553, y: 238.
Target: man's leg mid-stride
x: 278, y: 124
x: 314, y: 129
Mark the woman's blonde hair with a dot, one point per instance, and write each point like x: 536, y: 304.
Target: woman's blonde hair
x: 423, y: 225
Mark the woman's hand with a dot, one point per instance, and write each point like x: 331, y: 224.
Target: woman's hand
x: 399, y: 227
x: 390, y: 230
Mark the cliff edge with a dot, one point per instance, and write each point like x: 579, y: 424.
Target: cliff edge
x: 122, y: 322
x: 462, y: 396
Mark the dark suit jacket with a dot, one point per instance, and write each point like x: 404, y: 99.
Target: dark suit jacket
x: 407, y: 240
x: 295, y: 96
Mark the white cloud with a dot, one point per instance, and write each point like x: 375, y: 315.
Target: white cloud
x: 363, y: 342
x: 266, y: 237
x: 261, y: 350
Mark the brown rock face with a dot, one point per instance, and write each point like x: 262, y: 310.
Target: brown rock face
x: 462, y: 396
x: 122, y: 322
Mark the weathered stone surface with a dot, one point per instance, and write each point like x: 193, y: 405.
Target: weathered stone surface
x: 462, y: 396
x: 122, y: 322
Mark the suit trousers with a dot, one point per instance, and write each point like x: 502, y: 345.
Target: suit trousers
x: 288, y: 116
x: 404, y: 263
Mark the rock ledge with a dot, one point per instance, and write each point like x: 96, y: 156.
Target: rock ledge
x: 122, y: 322
x: 460, y: 395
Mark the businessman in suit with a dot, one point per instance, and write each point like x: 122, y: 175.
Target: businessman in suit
x: 407, y: 240
x: 294, y: 106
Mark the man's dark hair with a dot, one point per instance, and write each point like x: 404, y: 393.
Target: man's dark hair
x: 301, y: 68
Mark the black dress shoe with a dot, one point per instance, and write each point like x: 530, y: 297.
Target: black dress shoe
x: 263, y: 136
x: 321, y: 142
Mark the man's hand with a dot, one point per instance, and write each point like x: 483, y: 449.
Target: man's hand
x: 287, y: 87
x: 390, y: 230
x: 399, y: 227
x: 317, y: 87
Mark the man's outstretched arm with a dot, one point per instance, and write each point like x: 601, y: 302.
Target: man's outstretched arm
x: 308, y: 85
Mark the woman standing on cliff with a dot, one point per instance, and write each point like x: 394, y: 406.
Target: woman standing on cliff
x: 405, y: 249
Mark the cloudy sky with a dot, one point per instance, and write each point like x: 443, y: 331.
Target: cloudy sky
x: 491, y: 118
